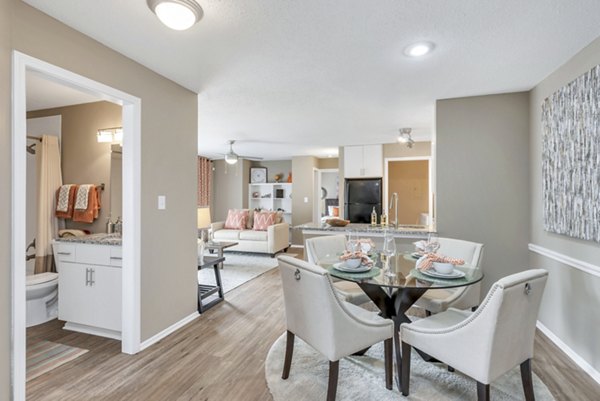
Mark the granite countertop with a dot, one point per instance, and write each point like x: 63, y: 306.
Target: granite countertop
x: 367, y: 229
x: 95, y: 239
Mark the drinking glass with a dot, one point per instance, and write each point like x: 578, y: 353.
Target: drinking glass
x: 352, y: 242
x: 388, y: 252
x: 433, y: 243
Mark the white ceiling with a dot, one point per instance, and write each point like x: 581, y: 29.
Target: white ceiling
x: 43, y: 93
x: 292, y: 77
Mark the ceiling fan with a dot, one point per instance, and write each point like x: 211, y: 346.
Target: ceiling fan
x: 232, y: 158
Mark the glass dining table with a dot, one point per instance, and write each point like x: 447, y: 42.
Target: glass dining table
x: 395, y: 293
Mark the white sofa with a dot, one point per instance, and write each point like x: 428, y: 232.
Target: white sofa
x: 272, y: 241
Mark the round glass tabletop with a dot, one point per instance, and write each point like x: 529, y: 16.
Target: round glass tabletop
x: 406, y: 276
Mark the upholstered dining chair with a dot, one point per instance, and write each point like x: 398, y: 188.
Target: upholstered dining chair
x: 486, y: 343
x: 327, y: 247
x: 333, y: 327
x: 438, y: 300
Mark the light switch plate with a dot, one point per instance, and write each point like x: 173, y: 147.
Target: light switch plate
x: 306, y: 199
x: 162, y: 202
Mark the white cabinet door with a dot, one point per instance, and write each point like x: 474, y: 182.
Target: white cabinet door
x: 90, y: 295
x: 353, y: 162
x: 373, y: 160
x: 363, y: 161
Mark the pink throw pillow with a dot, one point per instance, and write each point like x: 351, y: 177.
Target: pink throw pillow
x: 236, y: 219
x: 262, y: 220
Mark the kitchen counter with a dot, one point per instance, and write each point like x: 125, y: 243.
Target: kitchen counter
x: 95, y: 239
x: 366, y: 230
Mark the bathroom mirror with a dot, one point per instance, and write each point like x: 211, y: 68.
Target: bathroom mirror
x: 116, y: 182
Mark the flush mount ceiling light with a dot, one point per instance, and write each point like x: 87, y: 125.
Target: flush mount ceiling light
x: 419, y: 49
x: 176, y: 14
x: 405, y: 137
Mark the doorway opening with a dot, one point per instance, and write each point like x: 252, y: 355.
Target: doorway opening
x: 326, y: 194
x: 130, y: 275
x: 410, y: 178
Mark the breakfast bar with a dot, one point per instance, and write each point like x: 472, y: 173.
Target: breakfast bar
x: 413, y: 232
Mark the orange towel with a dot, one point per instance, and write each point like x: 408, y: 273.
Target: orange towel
x: 69, y: 213
x: 91, y: 213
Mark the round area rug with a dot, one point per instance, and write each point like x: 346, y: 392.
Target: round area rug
x: 362, y: 378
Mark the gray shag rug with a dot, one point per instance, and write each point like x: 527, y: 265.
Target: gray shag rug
x: 239, y: 268
x: 362, y: 378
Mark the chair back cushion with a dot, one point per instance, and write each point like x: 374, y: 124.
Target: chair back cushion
x: 502, y: 330
x: 326, y: 246
x: 470, y: 252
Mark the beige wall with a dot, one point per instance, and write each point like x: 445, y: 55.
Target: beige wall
x: 570, y: 304
x: 303, y: 186
x: 229, y: 188
x: 329, y: 162
x: 5, y: 203
x: 482, y: 181
x: 169, y: 143
x: 401, y: 150
x: 84, y: 160
x: 283, y: 167
x: 410, y: 180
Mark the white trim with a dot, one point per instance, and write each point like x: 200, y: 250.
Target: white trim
x: 582, y: 363
x: 169, y: 330
x: 586, y: 267
x: 21, y: 63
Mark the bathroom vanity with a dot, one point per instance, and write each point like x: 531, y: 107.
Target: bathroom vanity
x: 89, y: 283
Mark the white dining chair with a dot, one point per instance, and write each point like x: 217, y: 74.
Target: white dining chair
x: 328, y: 247
x: 486, y: 343
x: 333, y: 327
x: 438, y: 300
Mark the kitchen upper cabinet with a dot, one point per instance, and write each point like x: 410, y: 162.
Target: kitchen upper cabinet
x: 365, y: 161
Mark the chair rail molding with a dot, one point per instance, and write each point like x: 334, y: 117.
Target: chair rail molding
x: 586, y: 267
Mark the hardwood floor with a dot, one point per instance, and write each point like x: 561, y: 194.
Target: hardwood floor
x: 220, y: 357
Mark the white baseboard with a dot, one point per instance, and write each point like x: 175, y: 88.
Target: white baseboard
x: 582, y: 363
x: 171, y: 329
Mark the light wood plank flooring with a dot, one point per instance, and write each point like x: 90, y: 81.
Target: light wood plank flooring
x: 220, y: 357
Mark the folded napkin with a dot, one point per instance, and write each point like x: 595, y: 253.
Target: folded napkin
x: 426, y: 261
x: 364, y: 259
x: 420, y: 245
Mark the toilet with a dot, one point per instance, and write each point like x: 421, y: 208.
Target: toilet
x: 42, y: 298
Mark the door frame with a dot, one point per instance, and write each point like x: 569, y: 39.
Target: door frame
x: 386, y: 197
x: 130, y: 334
x: 317, y: 190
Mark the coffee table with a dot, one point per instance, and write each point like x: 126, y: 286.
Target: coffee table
x: 219, y: 247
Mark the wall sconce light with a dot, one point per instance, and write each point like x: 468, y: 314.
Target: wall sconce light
x: 110, y: 135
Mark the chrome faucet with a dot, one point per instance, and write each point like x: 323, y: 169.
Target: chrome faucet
x: 394, y: 199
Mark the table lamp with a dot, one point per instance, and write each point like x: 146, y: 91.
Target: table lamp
x: 203, y: 223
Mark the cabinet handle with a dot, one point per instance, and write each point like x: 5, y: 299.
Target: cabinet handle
x: 87, y: 277
x: 63, y: 253
x: 92, y: 281
x: 116, y: 257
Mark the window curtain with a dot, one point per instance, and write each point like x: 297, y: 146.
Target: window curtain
x: 204, y: 181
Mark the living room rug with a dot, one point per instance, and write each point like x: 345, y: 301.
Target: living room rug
x: 43, y: 356
x: 362, y: 378
x: 239, y: 268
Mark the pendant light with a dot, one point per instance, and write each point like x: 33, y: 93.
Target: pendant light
x: 176, y: 14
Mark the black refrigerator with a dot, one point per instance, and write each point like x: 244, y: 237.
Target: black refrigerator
x: 362, y: 195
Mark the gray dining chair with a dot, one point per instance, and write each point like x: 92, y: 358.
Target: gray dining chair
x: 333, y: 327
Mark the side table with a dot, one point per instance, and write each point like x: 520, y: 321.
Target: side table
x: 204, y: 290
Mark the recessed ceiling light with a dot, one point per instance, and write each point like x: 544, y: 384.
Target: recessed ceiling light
x: 419, y: 49
x: 176, y: 14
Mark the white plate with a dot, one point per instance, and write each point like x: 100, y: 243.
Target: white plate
x: 342, y: 267
x: 454, y: 274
